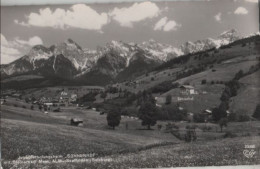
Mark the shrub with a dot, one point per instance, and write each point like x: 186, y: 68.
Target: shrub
x: 257, y: 112
x: 168, y: 99
x: 24, y: 106
x: 247, y: 134
x: 239, y: 75
x: 190, y: 133
x: 243, y: 118
x: 164, y: 87
x: 171, y: 126
x: 204, y: 81
x: 152, y: 78
x: 171, y: 112
x: 199, y: 118
x: 232, y: 117
x: 229, y: 134
x: 40, y: 107
x: 103, y: 95
x: 206, y: 128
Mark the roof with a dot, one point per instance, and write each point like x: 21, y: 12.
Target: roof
x: 208, y: 111
x: 187, y: 86
x: 77, y: 120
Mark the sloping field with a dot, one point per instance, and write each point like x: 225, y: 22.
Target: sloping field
x: 208, y: 97
x: 29, y: 132
x: 221, y: 72
x: 248, y: 96
x: 22, y: 78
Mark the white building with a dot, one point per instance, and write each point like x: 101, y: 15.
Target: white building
x: 187, y: 89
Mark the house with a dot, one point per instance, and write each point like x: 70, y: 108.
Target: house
x: 207, y: 112
x: 187, y: 89
x: 48, y: 104
x: 207, y: 115
x: 73, y: 97
x: 76, y: 122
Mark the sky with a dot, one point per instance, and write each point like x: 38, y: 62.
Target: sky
x: 95, y: 24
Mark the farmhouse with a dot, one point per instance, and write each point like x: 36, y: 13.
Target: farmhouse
x: 76, y: 122
x: 16, y: 95
x: 207, y: 114
x: 48, y: 104
x: 187, y: 89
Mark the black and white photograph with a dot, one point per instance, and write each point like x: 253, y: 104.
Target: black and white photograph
x: 94, y: 84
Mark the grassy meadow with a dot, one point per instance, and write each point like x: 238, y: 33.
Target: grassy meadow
x: 31, y: 132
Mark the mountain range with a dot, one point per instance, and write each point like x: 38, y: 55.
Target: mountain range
x: 114, y: 61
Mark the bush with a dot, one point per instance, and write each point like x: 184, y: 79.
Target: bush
x: 243, y: 118
x: 257, y: 112
x: 24, y: 106
x: 229, y: 134
x: 232, y: 117
x: 170, y: 126
x: 171, y: 112
x: 103, y: 95
x: 40, y: 107
x: 206, y: 128
x: 239, y: 74
x: 164, y: 87
x: 199, y: 118
x: 168, y: 99
x: 246, y: 134
x: 204, y: 81
x: 190, y: 133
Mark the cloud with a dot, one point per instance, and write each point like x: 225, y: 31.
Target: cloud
x: 3, y: 40
x: 159, y: 25
x: 14, y: 49
x: 7, y: 58
x: 166, y: 25
x: 85, y: 17
x: 8, y: 54
x: 135, y: 13
x: 218, y: 17
x: 78, y: 16
x: 252, y: 1
x: 241, y: 11
x: 31, y: 42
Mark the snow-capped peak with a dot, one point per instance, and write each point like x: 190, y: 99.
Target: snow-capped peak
x: 160, y: 51
x: 200, y: 45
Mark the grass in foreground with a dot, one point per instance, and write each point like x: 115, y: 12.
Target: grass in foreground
x: 214, y: 153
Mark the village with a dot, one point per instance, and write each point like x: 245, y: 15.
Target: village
x: 63, y: 97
